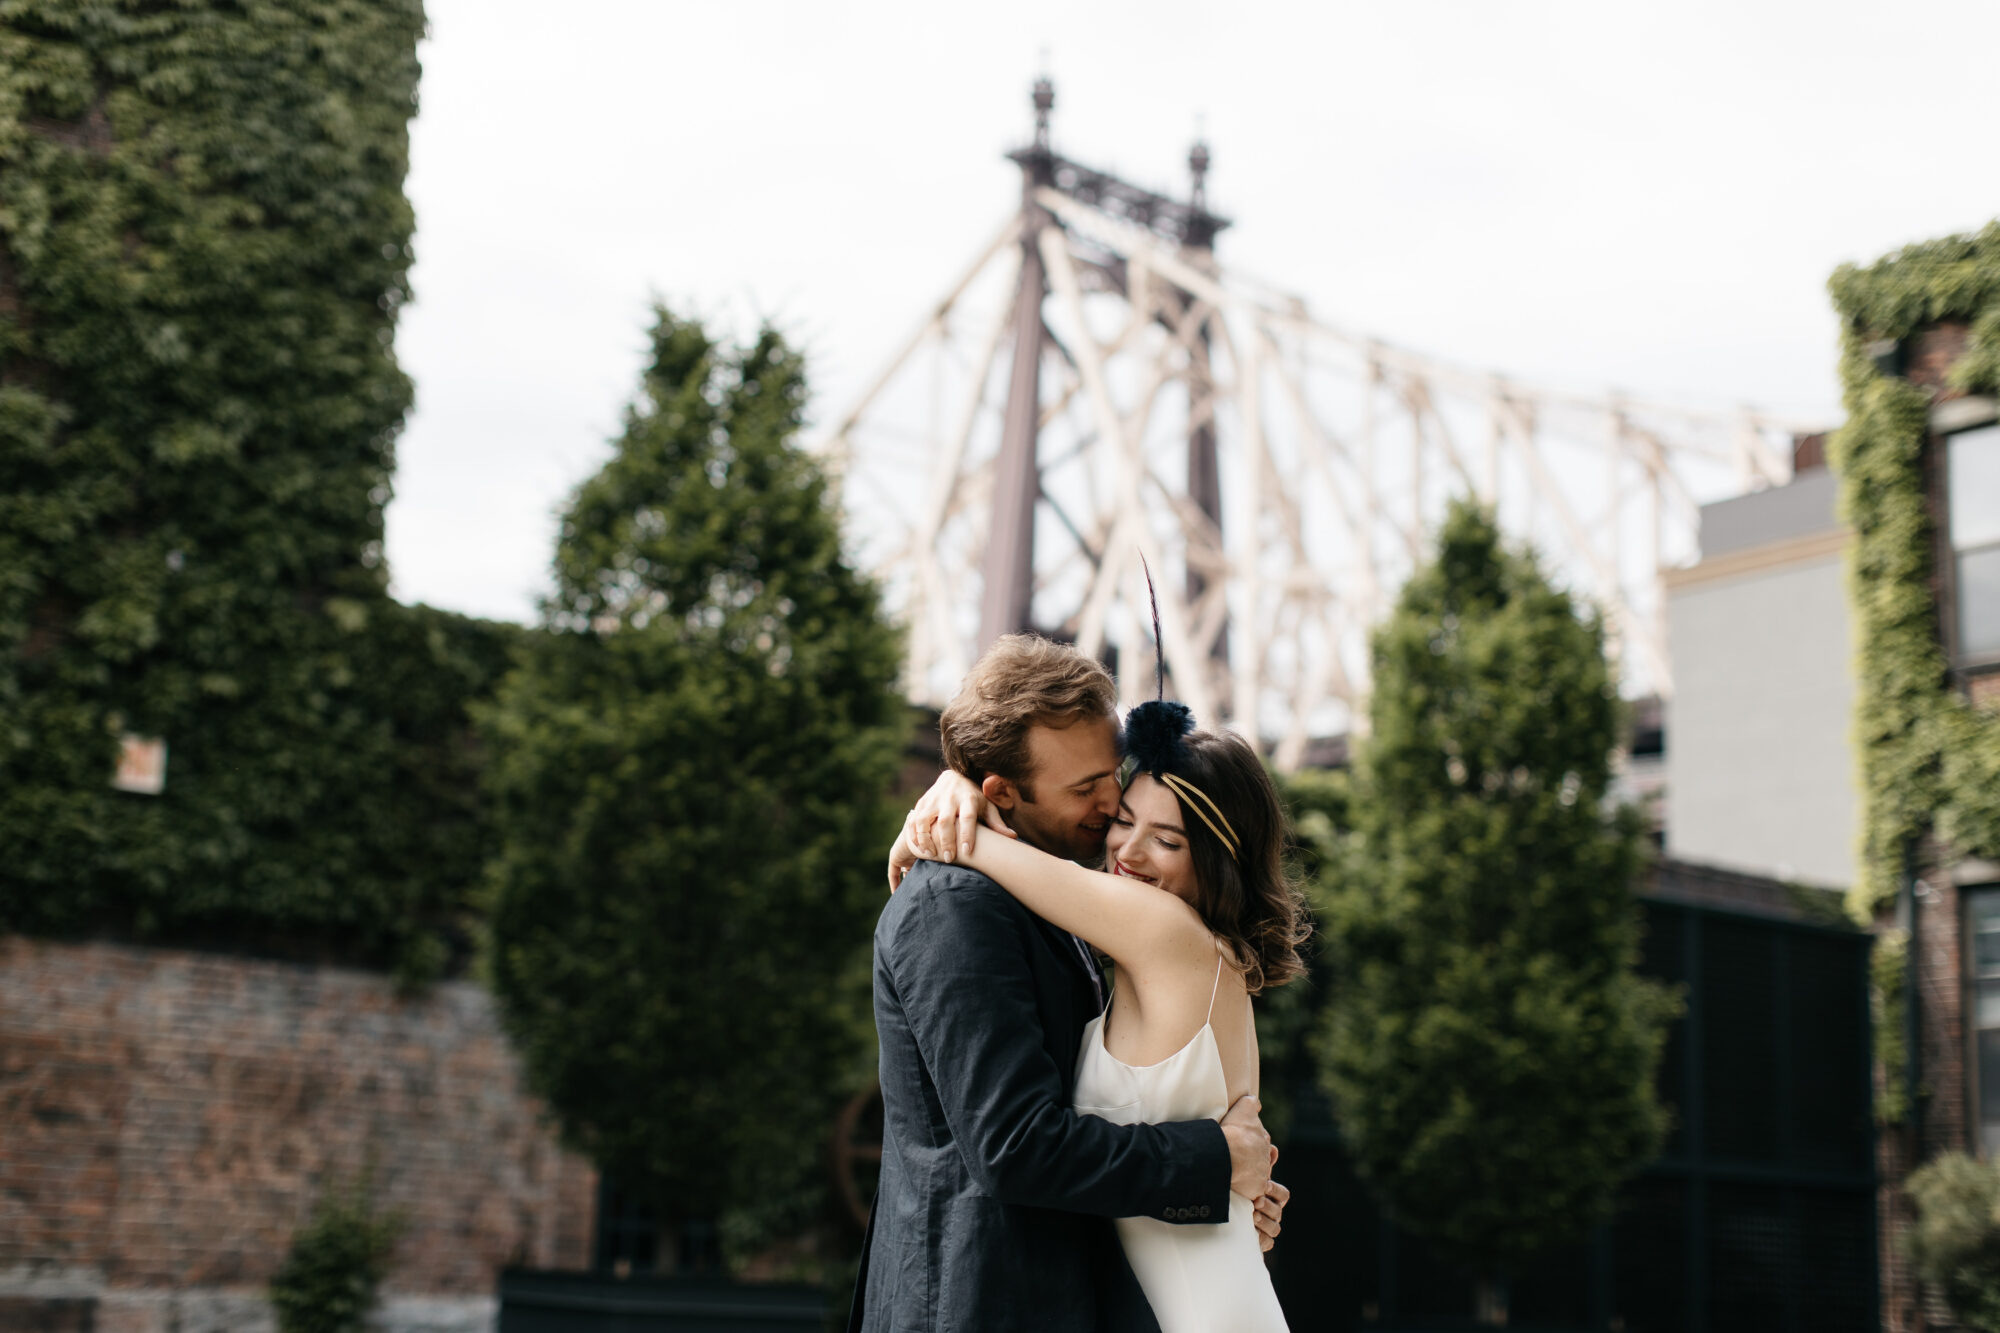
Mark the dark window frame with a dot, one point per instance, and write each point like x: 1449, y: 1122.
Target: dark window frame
x: 1971, y: 897
x: 1950, y: 612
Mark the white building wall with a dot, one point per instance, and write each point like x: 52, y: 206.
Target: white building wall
x: 1761, y: 769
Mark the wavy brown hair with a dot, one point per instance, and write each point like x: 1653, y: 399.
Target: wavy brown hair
x: 1022, y: 681
x: 1250, y: 899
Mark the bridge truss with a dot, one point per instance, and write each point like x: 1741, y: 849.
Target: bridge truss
x: 1096, y: 389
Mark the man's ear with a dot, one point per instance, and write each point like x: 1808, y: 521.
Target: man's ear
x: 999, y: 792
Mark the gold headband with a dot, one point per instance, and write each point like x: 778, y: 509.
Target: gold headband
x: 1219, y: 825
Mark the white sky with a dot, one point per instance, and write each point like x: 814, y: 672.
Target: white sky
x: 1640, y: 196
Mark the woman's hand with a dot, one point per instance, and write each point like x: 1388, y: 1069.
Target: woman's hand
x: 943, y: 825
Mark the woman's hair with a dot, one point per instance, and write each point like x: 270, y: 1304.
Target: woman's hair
x: 1248, y: 896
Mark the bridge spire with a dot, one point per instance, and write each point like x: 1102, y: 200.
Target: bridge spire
x: 1007, y: 603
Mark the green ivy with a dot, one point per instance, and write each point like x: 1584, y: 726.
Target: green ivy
x: 1928, y: 759
x: 204, y: 242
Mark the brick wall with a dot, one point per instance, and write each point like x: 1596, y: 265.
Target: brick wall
x: 167, y: 1117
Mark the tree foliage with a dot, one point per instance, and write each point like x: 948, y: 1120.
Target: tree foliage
x: 691, y: 767
x: 1488, y: 1044
x: 204, y: 242
x: 1955, y: 1244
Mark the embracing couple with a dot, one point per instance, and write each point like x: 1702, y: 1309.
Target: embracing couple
x: 1061, y: 1151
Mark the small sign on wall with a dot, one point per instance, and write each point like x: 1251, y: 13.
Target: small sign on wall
x: 142, y: 765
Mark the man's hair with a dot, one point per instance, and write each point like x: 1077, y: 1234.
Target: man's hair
x: 1023, y: 681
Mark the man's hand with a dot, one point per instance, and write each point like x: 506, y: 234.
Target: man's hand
x: 1271, y: 1211
x: 1250, y: 1150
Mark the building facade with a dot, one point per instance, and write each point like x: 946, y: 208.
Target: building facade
x: 1760, y: 767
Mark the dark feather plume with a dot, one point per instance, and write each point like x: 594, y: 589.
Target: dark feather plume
x: 1154, y: 729
x: 1159, y: 644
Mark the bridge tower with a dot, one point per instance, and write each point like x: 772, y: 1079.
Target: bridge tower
x: 1097, y: 389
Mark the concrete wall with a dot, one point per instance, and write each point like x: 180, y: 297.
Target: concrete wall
x: 1761, y: 770
x: 168, y: 1117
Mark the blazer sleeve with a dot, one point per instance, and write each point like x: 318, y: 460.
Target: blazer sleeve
x: 962, y: 969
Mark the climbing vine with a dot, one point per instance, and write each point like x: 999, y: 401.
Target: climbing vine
x: 1929, y: 760
x: 204, y: 242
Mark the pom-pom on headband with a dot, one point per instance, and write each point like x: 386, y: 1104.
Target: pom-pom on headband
x: 1154, y: 732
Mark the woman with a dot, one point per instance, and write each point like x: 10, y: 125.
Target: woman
x: 1196, y: 912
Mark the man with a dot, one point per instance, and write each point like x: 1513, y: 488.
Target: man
x: 995, y: 1197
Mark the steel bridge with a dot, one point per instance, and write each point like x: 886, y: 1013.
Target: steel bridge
x: 1096, y: 388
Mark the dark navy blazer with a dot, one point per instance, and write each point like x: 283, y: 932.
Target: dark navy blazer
x: 992, y: 1211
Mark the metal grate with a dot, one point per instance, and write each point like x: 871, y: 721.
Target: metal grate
x: 1740, y: 1047
x: 1649, y: 1259
x: 1759, y: 1214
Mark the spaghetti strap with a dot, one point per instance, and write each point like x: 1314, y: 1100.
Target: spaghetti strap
x: 1214, y: 987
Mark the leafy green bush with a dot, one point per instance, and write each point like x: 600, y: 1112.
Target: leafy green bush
x: 204, y: 242
x: 1955, y: 1244
x: 691, y: 768
x: 1487, y: 1041
x: 328, y: 1280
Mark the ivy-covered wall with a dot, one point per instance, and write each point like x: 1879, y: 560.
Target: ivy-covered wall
x: 1930, y: 761
x: 204, y: 242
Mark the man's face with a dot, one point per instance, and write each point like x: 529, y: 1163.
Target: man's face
x: 1073, y: 779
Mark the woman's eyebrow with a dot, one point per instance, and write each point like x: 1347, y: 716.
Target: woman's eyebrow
x: 1126, y: 811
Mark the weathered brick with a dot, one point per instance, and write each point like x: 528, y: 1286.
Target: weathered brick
x: 167, y: 1118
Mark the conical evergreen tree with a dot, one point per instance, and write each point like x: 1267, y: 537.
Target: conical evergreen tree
x: 691, y: 768
x: 1487, y: 1042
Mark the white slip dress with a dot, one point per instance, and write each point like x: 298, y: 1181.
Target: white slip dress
x: 1199, y: 1278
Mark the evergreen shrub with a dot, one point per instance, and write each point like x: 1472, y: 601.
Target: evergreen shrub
x: 691, y: 767
x: 328, y: 1280
x: 1487, y: 1041
x: 1955, y: 1244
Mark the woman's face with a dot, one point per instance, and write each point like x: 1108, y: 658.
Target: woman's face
x: 1147, y: 842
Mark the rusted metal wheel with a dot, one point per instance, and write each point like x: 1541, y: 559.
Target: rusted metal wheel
x: 857, y: 1151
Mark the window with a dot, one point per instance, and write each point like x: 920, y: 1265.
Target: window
x: 1973, y: 472
x: 1983, y: 961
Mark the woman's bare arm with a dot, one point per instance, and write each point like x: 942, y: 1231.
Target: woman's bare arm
x: 1140, y: 925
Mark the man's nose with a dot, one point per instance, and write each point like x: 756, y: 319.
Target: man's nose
x: 1107, y: 796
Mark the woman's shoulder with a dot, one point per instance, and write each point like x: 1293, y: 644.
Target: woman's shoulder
x: 1182, y: 941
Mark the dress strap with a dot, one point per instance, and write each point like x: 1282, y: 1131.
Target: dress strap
x: 1214, y: 987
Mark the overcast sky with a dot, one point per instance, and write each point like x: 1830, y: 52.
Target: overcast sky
x: 1640, y: 196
